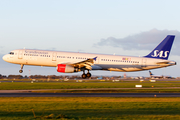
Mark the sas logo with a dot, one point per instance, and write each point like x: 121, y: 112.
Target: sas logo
x: 160, y: 54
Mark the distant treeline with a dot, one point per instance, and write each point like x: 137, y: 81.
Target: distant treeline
x: 48, y: 77
x: 36, y: 77
x: 2, y: 76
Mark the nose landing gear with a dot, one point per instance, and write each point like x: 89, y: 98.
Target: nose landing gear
x: 21, y: 70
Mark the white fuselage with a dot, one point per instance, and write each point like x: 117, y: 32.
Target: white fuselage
x: 103, y: 62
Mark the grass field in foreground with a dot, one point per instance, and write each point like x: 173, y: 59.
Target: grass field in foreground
x: 68, y: 85
x: 165, y: 86
x: 82, y: 108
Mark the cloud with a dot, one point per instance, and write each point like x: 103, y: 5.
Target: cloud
x: 143, y: 41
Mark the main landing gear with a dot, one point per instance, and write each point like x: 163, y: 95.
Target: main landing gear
x: 21, y: 70
x: 84, y: 76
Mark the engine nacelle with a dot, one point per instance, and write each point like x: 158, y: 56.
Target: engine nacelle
x: 66, y: 68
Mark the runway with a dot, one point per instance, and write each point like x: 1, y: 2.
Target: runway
x: 89, y: 94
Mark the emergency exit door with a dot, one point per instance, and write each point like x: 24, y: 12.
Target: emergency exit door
x: 20, y: 54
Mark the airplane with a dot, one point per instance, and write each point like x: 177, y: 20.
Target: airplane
x: 70, y: 62
x: 158, y: 76
x: 155, y: 76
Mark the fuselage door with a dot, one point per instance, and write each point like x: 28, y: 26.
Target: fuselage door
x: 20, y: 54
x: 54, y: 55
x: 144, y: 62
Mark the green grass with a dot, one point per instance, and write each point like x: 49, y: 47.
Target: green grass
x: 147, y: 86
x: 89, y: 108
x: 59, y: 85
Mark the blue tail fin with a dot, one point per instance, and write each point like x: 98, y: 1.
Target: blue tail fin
x: 150, y: 73
x: 162, y: 51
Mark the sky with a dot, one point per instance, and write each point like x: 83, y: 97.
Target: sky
x: 132, y: 27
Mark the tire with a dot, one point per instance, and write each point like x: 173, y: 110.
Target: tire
x: 84, y: 76
x: 21, y: 71
x: 88, y: 75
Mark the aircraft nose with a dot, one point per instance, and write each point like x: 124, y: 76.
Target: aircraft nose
x: 5, y: 58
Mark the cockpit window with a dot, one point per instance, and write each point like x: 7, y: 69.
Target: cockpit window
x: 11, y: 53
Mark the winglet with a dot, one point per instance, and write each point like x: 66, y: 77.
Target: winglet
x: 162, y: 51
x: 95, y: 58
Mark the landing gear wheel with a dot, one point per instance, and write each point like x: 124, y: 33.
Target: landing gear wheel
x: 20, y: 71
x: 88, y: 75
x: 84, y: 76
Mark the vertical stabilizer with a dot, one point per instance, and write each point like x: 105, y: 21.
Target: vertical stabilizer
x: 150, y: 73
x: 162, y: 51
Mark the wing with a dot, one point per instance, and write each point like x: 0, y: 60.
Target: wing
x: 86, y: 63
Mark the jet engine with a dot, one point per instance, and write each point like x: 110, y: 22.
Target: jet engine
x: 66, y: 68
